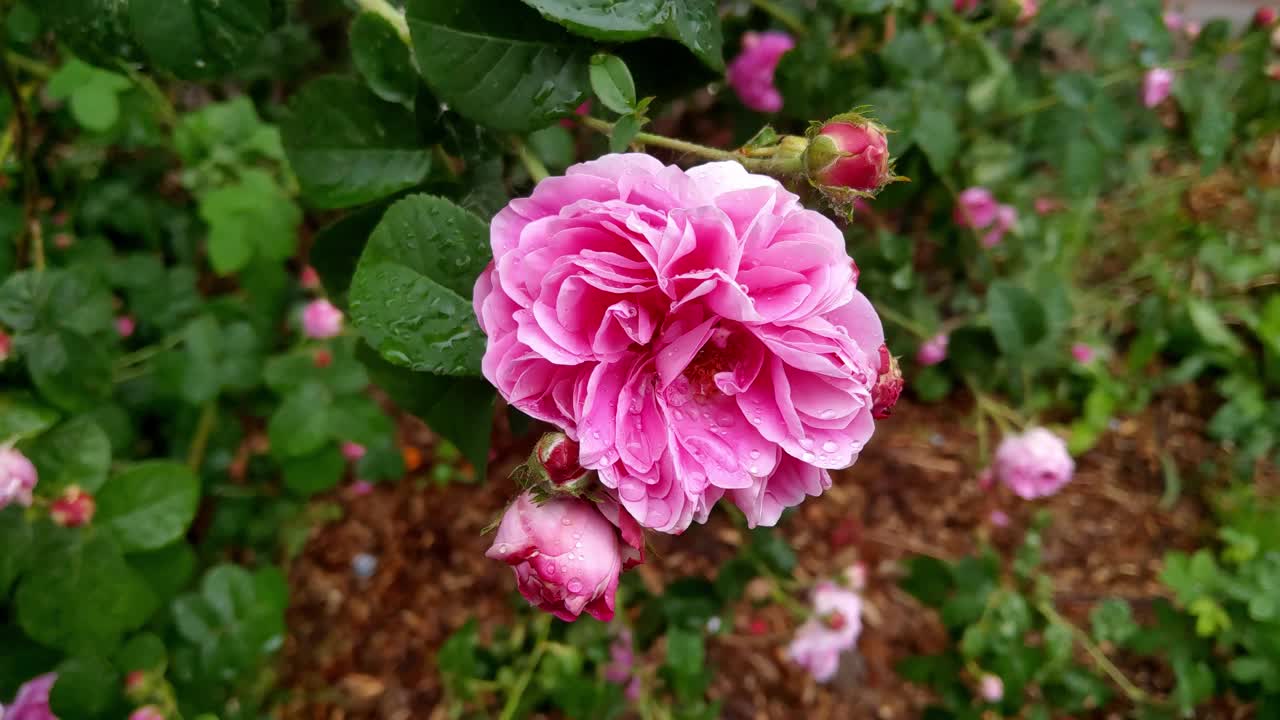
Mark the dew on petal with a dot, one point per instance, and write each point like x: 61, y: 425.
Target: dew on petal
x: 829, y: 446
x: 575, y: 586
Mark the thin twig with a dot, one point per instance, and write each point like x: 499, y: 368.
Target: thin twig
x: 30, y: 191
x: 513, y: 700
x: 537, y: 171
x: 200, y: 441
x: 1100, y: 659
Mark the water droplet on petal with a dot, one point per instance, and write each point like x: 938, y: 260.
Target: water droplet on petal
x: 755, y: 454
x: 575, y: 586
x: 829, y: 446
x: 566, y: 521
x: 807, y: 457
x: 806, y: 443
x: 504, y: 548
x: 827, y: 414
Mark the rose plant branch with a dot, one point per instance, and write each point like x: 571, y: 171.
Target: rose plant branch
x: 768, y: 165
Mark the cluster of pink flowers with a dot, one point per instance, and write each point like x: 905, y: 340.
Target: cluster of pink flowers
x: 698, y: 333
x: 977, y: 208
x: 833, y: 629
x: 1034, y: 464
x: 1176, y: 22
x: 17, y: 478
x: 32, y: 700
x: 751, y: 72
x: 321, y: 320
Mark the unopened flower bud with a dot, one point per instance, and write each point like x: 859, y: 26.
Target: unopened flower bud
x: 557, y: 454
x: 309, y: 278
x: 1027, y: 11
x: 135, y: 685
x: 991, y: 688
x: 1264, y: 16
x: 1156, y: 85
x: 74, y: 508
x: 888, y: 387
x: 352, y: 451
x: 147, y: 712
x: 6, y: 346
x: 1273, y: 72
x: 964, y: 6
x: 849, y: 153
x: 933, y: 350
x: 125, y: 325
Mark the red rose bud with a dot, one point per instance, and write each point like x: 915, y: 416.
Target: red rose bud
x: 323, y: 358
x: 74, y: 508
x: 888, y: 387
x: 851, y: 153
x: 1264, y: 16
x: 558, y: 456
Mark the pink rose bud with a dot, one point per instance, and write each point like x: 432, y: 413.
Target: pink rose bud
x: 558, y: 455
x: 309, y: 278
x: 1173, y: 22
x: 888, y: 387
x: 352, y: 451
x: 757, y: 626
x: 621, y: 659
x: 1005, y: 220
x: 17, y: 478
x: 1034, y: 464
x: 320, y: 319
x: 322, y: 359
x: 751, y: 73
x: 361, y: 488
x: 135, y: 684
x: 147, y: 712
x: 999, y: 518
x: 964, y: 6
x: 32, y: 700
x: 564, y: 553
x: 6, y: 346
x: 1156, y: 85
x: 1082, y: 353
x: 125, y: 325
x: 74, y: 508
x: 933, y: 350
x: 991, y: 688
x: 1027, y: 11
x: 581, y: 110
x: 1046, y: 205
x: 851, y: 154
x: 976, y: 207
x: 1264, y: 16
x: 1192, y: 29
x: 833, y: 628
x: 1273, y: 72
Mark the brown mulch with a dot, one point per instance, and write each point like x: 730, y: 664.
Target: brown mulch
x: 366, y: 648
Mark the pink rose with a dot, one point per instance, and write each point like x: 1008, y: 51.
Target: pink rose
x: 32, y: 700
x: 888, y: 387
x: 17, y: 478
x: 1173, y: 21
x: 621, y: 659
x: 147, y: 712
x: 1005, y: 220
x: 1034, y: 464
x: 697, y: 332
x: 834, y: 628
x: 991, y: 688
x: 933, y: 350
x: 353, y: 451
x: 849, y: 154
x: 1027, y: 11
x: 1264, y: 16
x: 125, y: 325
x: 751, y: 73
x: 565, y: 555
x: 1156, y: 85
x: 320, y: 319
x: 74, y: 508
x: 1082, y: 353
x: 976, y: 207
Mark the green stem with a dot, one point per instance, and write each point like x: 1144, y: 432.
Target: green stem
x: 782, y: 15
x: 200, y: 441
x: 531, y: 163
x: 1100, y: 659
x: 142, y: 355
x: 168, y: 115
x: 905, y: 322
x: 513, y: 700
x: 766, y: 165
x: 392, y: 15
x: 29, y: 66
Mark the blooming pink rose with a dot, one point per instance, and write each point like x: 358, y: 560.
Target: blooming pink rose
x: 848, y: 154
x: 991, y: 688
x: 697, y: 332
x: 320, y: 319
x: 1034, y: 464
x: 1156, y: 85
x: 17, y: 478
x: 933, y: 350
x: 565, y: 555
x: 353, y: 451
x: 147, y: 712
x: 976, y: 207
x: 74, y: 508
x: 834, y: 628
x: 751, y: 73
x: 32, y: 700
x: 125, y: 325
x: 1082, y: 353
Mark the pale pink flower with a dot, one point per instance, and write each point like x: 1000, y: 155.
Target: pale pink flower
x: 1083, y: 353
x: 17, y: 478
x: 999, y: 518
x: 565, y: 554
x: 751, y: 73
x: 991, y: 688
x: 353, y: 451
x: 147, y: 712
x: 1156, y: 85
x: 697, y: 332
x: 976, y: 207
x: 621, y: 659
x: 834, y: 628
x: 933, y: 350
x: 1034, y: 464
x: 1027, y: 11
x: 1264, y: 16
x: 32, y: 700
x: 1192, y: 28
x: 320, y: 319
x: 856, y: 576
x: 1046, y: 205
x: 1173, y: 21
x: 1005, y: 220
x: 125, y: 325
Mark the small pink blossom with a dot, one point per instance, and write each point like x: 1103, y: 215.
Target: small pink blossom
x: 125, y: 325
x: 986, y: 479
x: 1046, y: 205
x: 74, y: 508
x: 991, y: 688
x: 751, y: 73
x: 1173, y: 21
x: 964, y: 6
x: 309, y: 278
x: 352, y: 451
x: 1273, y: 72
x: 621, y: 659
x: 361, y: 488
x: 1027, y: 11
x: 1264, y: 16
x: 975, y: 207
x: 1192, y: 28
x: 565, y: 555
x: 1156, y: 85
x: 999, y: 518
x: 1083, y: 353
x: 834, y: 628
x: 320, y: 319
x: 933, y: 350
x: 856, y: 576
x: 147, y: 712
x: 1006, y: 219
x: 6, y: 345
x: 581, y: 110
x: 849, y: 154
x: 32, y: 700
x: 17, y: 478
x: 1034, y: 464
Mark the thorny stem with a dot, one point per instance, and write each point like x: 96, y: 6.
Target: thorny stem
x: 537, y: 171
x: 1100, y: 659
x: 767, y: 165
x: 200, y: 441
x: 513, y: 700
x: 393, y: 16
x: 782, y: 15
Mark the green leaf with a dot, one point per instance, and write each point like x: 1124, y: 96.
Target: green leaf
x: 213, y: 358
x: 411, y: 294
x: 936, y: 135
x: 76, y: 452
x: 928, y: 580
x: 200, y: 39
x: 1113, y: 621
x: 167, y: 570
x: 93, y: 94
x: 382, y: 58
x: 611, y: 81
x: 771, y: 548
x: 33, y: 301
x: 253, y: 217
x: 348, y: 147
x: 80, y: 595
x: 460, y: 409
x: 23, y: 416
x: 70, y: 370
x: 16, y: 538
x: 624, y: 131
x: 554, y: 145
x: 316, y: 472
x: 144, y: 651
x: 234, y: 621
x: 86, y: 687
x: 300, y: 425
x: 694, y: 23
x: 337, y: 249
x: 96, y: 29
x: 686, y: 663
x: 1212, y: 329
x: 1017, y: 318
x: 498, y: 63
x: 1083, y: 165
x: 149, y: 505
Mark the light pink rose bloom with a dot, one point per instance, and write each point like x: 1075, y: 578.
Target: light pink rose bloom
x: 125, y: 325
x: 991, y: 688
x: 32, y: 700
x: 834, y: 628
x: 933, y: 350
x: 17, y: 478
x: 320, y: 319
x: 1083, y: 353
x: 1156, y: 85
x: 1034, y: 464
x: 147, y: 712
x: 697, y: 332
x: 976, y: 207
x: 353, y: 451
x: 751, y: 73
x: 565, y: 554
